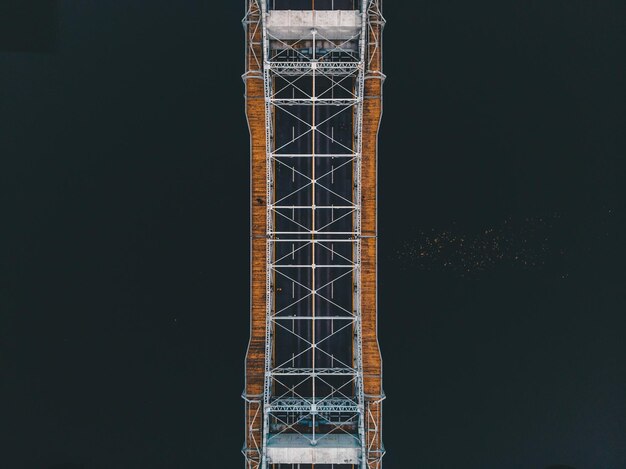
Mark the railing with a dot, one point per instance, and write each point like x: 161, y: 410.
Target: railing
x: 313, y: 4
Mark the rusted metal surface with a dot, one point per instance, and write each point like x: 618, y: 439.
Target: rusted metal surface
x: 255, y: 357
x: 372, y: 362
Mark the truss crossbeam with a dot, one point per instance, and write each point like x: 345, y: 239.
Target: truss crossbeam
x: 305, y: 68
x: 313, y: 102
x: 313, y: 318
x: 327, y: 406
x: 313, y: 372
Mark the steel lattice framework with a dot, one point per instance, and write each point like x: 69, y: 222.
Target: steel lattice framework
x: 313, y: 94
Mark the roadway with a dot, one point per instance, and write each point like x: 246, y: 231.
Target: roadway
x: 293, y: 188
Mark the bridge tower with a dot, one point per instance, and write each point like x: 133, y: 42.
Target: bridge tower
x: 313, y: 89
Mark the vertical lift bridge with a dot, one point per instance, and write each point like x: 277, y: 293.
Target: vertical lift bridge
x: 313, y: 391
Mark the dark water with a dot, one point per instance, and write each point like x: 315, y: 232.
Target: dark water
x: 124, y: 269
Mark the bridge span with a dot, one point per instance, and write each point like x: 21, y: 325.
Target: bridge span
x: 313, y: 392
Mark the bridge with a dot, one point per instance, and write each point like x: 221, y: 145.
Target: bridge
x: 313, y: 88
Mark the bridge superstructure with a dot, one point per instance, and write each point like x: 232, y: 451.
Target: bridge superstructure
x: 313, y: 387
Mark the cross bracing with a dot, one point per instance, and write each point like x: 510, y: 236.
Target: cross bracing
x: 312, y: 321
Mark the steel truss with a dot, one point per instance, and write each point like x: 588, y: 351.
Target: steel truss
x: 313, y: 386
